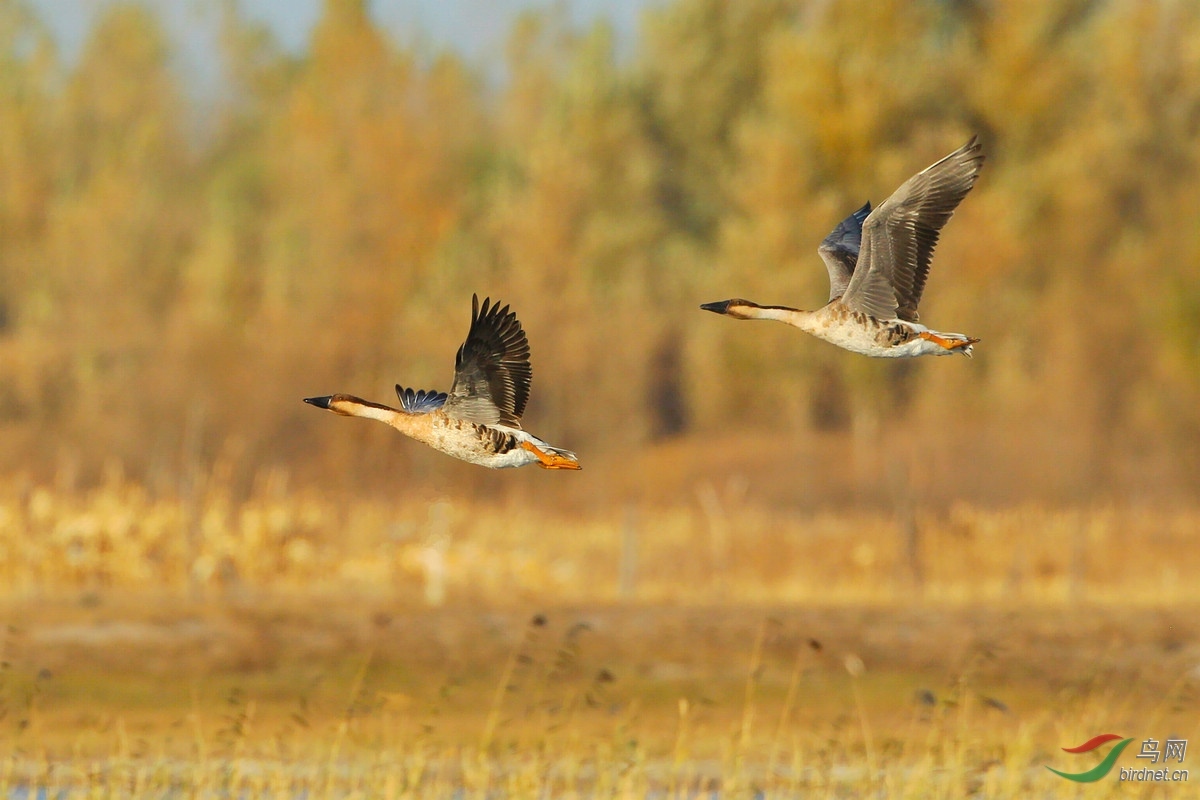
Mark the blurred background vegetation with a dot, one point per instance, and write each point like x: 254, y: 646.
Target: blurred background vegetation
x: 189, y: 554
x: 168, y: 296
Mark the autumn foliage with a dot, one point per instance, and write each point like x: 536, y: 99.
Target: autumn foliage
x: 176, y: 274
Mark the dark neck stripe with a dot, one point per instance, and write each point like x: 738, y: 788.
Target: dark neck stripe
x: 368, y: 403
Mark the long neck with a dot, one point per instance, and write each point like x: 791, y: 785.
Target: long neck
x: 789, y: 316
x: 418, y: 426
x: 357, y: 407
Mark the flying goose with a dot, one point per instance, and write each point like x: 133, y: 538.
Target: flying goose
x: 480, y: 420
x: 878, y: 262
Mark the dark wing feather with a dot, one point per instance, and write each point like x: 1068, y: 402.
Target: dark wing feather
x: 419, y: 402
x: 839, y: 250
x: 899, y: 236
x: 491, y: 373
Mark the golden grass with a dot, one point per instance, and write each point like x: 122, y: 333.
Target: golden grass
x: 299, y: 643
x: 557, y: 768
x: 713, y: 546
x: 620, y: 703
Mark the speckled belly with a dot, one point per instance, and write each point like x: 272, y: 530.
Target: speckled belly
x: 479, y: 444
x: 860, y: 333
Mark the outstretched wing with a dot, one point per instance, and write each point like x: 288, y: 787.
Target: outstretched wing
x: 899, y: 236
x: 839, y: 251
x: 419, y: 402
x: 491, y: 373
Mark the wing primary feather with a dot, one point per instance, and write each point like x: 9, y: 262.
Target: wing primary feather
x: 419, y: 402
x: 839, y: 250
x: 492, y: 371
x: 899, y: 236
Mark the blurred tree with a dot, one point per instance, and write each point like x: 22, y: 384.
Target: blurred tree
x: 223, y: 273
x: 119, y: 222
x: 28, y: 72
x: 702, y: 73
x: 350, y: 198
x: 366, y: 175
x: 576, y: 221
x: 120, y: 219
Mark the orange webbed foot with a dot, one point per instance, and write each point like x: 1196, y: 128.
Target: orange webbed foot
x: 949, y: 344
x: 550, y: 460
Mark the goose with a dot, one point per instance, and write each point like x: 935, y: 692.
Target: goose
x: 479, y: 421
x: 878, y: 262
